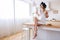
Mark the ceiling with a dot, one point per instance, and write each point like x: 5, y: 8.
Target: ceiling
x: 30, y: 1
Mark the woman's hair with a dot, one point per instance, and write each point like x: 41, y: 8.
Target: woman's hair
x: 43, y: 4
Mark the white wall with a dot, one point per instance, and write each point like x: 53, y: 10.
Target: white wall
x: 52, y: 15
x: 54, y: 4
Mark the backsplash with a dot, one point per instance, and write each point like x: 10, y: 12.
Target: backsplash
x: 53, y: 16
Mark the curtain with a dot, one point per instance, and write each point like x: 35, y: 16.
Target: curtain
x: 6, y: 17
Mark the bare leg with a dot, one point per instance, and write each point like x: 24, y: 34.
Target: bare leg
x: 35, y: 27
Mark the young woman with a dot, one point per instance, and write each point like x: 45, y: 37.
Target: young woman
x: 41, y: 15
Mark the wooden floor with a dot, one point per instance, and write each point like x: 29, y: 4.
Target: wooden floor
x: 17, y: 36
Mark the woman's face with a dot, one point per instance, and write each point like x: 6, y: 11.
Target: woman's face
x: 41, y: 7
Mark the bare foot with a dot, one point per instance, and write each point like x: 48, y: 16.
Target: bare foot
x: 35, y: 35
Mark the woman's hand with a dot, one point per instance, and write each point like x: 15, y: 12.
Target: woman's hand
x: 47, y: 16
x: 35, y: 35
x: 46, y: 13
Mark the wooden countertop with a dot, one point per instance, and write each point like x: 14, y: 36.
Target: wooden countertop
x: 44, y: 27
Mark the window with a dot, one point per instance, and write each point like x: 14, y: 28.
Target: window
x: 6, y: 9
x: 21, y: 9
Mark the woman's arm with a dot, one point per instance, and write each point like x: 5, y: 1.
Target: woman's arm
x: 46, y: 14
x: 37, y: 12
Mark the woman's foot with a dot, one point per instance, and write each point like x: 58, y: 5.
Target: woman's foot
x: 35, y: 35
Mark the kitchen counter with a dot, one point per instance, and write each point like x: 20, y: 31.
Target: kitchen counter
x: 46, y: 30
x: 44, y: 27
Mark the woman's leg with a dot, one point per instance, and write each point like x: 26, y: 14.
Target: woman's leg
x: 36, y: 24
x: 35, y: 27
